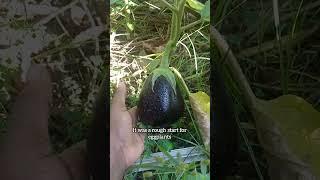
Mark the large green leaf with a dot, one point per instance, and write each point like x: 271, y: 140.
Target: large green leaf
x: 289, y: 129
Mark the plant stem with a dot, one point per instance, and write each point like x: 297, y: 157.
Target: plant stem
x: 192, y: 24
x: 172, y: 8
x: 166, y: 54
x: 175, y: 30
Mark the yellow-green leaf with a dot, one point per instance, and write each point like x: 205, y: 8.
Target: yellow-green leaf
x: 196, y: 5
x: 200, y: 104
x: 288, y: 127
x: 203, y: 100
x: 147, y: 174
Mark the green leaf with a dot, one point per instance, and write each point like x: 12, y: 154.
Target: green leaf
x: 148, y: 144
x: 202, y: 100
x: 165, y: 177
x: 166, y: 144
x: 171, y: 158
x: 203, y: 167
x: 167, y: 73
x: 205, y: 12
x: 200, y: 104
x: 196, y: 5
x: 289, y: 127
x: 147, y: 175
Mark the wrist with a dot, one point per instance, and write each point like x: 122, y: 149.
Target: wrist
x: 117, y: 162
x: 116, y: 170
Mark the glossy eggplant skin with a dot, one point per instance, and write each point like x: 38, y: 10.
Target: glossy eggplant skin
x: 159, y: 107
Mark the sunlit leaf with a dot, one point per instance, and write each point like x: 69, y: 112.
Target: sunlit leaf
x: 200, y: 104
x: 203, y: 100
x: 196, y: 5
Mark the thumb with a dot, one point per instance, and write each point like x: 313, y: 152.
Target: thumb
x: 39, y: 80
x: 119, y: 98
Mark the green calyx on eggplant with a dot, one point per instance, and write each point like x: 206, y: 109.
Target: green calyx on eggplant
x: 161, y: 103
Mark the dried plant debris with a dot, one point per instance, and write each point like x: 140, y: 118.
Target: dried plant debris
x: 68, y: 36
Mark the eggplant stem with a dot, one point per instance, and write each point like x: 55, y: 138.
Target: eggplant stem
x: 175, y: 30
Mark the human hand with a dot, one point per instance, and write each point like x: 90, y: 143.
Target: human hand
x: 25, y: 152
x: 125, y: 146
